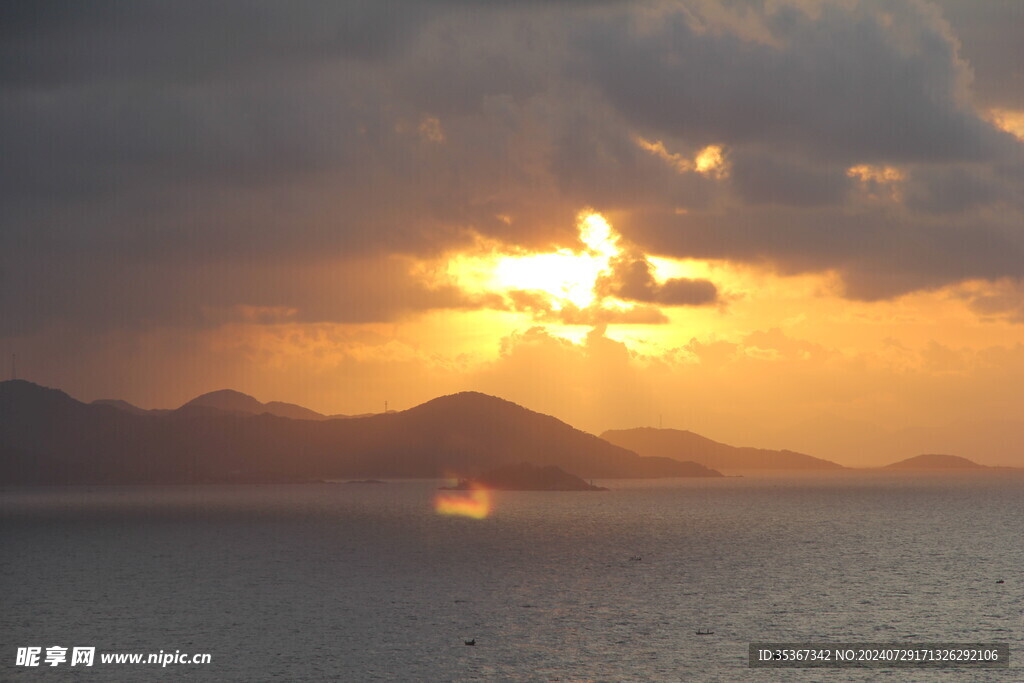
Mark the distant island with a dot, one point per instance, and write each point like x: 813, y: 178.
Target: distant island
x: 48, y: 437
x: 685, y: 445
x: 526, y: 477
x: 936, y: 461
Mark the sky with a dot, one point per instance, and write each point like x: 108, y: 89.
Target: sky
x: 781, y: 223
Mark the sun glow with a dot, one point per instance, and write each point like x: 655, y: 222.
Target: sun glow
x: 475, y: 503
x: 598, y: 235
x: 667, y: 268
x: 561, y: 278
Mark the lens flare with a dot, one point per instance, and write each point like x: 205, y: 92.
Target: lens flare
x: 474, y: 503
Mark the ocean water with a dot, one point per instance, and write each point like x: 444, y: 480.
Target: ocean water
x: 366, y: 582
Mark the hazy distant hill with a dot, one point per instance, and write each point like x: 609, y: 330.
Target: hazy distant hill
x: 684, y: 445
x: 231, y: 401
x: 120, y: 405
x: 293, y: 411
x: 935, y: 461
x: 48, y: 437
x: 227, y: 400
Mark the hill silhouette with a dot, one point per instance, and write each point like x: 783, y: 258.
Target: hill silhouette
x: 121, y: 405
x: 474, y: 427
x: 293, y: 411
x: 48, y: 437
x: 685, y: 445
x: 227, y: 400
x: 231, y: 401
x: 935, y: 461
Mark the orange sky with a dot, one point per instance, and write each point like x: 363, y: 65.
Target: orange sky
x: 779, y: 361
x: 816, y: 243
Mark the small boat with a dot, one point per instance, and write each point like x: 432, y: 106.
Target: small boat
x: 470, y: 642
x: 705, y: 632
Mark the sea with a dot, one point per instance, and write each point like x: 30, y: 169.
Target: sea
x: 368, y: 582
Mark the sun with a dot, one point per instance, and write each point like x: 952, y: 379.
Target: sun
x: 603, y: 282
x: 562, y: 278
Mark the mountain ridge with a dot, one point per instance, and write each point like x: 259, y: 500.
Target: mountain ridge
x: 678, y: 443
x: 48, y: 437
x: 229, y: 401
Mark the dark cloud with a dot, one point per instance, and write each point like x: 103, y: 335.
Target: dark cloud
x: 687, y: 292
x: 632, y: 279
x: 989, y: 34
x: 82, y: 293
x: 798, y: 98
x: 860, y: 82
x: 58, y: 43
x: 761, y: 177
x: 880, y: 253
x: 596, y: 159
x: 161, y: 160
x: 954, y: 189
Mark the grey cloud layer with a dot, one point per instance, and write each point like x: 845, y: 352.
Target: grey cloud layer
x: 848, y: 86
x: 54, y: 43
x: 163, y: 138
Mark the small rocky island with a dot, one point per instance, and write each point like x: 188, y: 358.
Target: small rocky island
x: 936, y: 461
x: 526, y: 477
